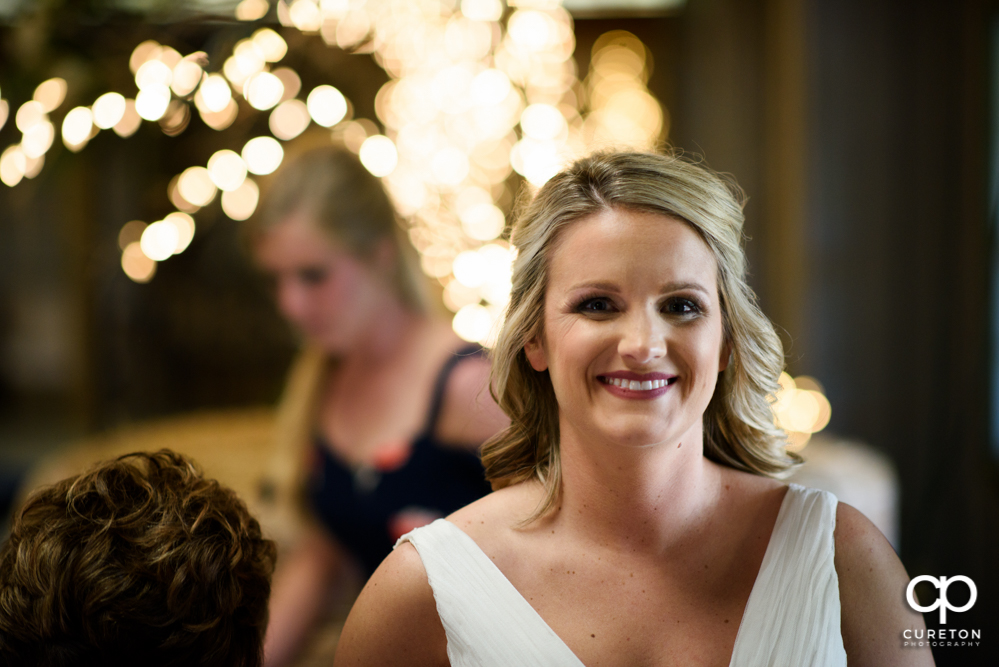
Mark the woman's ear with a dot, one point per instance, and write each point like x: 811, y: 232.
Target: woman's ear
x: 726, y: 355
x: 535, y: 352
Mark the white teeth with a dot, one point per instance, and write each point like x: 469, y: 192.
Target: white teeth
x: 636, y: 385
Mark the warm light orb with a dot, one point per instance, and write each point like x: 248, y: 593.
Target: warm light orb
x: 272, y: 46
x: 130, y: 233
x: 220, y: 120
x: 33, y: 165
x: 473, y: 323
x: 289, y: 119
x: 449, y: 166
x: 215, y: 92
x: 152, y: 101
x: 37, y: 141
x: 483, y: 222
x: 76, y: 128
x: 184, y: 224
x: 252, y: 10
x: 305, y: 15
x: 154, y: 73
x: 290, y: 80
x: 142, y: 53
x: 542, y: 121
x: 186, y: 77
x: 378, y: 155
x: 239, y: 204
x: 468, y: 269
x: 29, y: 114
x: 263, y: 91
x: 326, y: 105
x: 196, y: 186
x: 108, y: 110
x: 530, y: 29
x: 130, y: 121
x: 490, y: 87
x: 482, y: 10
x: 136, y: 264
x: 262, y: 155
x: 12, y: 166
x: 50, y: 94
x: 159, y: 240
x: 4, y: 112
x: 227, y: 169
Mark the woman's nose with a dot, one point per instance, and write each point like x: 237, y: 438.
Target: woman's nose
x: 643, y: 337
x: 291, y: 299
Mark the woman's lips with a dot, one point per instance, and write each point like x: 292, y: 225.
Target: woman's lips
x: 634, y: 385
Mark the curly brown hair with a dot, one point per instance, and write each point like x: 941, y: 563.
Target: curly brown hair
x: 140, y: 560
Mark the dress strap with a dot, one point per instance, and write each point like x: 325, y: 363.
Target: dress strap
x: 440, y: 384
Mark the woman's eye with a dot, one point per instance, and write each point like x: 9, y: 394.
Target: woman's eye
x: 598, y: 305
x: 681, y: 307
x: 312, y: 275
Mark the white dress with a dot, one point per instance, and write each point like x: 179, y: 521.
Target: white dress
x: 792, y: 617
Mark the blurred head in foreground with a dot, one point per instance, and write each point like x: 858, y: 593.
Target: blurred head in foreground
x: 139, y: 561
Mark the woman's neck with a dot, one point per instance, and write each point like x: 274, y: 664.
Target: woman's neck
x: 386, y: 337
x: 653, y: 497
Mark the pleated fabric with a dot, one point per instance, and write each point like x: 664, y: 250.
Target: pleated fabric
x: 792, y: 617
x: 793, y: 613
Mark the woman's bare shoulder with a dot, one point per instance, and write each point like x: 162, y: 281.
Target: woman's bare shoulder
x: 872, y: 583
x: 493, y: 517
x: 394, y: 621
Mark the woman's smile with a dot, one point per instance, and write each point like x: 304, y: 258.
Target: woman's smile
x: 635, y: 385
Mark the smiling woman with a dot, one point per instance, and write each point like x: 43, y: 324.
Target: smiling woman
x: 635, y: 518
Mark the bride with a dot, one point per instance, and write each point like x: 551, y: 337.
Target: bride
x: 636, y: 518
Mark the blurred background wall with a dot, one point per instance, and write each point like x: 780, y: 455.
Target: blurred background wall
x: 860, y: 129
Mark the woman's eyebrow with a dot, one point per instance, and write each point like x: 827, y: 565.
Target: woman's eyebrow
x: 678, y: 286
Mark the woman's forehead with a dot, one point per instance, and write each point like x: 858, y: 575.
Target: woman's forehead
x: 625, y: 243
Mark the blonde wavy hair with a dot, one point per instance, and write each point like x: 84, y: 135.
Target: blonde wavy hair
x: 739, y: 428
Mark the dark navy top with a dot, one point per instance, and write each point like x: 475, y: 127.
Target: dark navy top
x: 408, y: 485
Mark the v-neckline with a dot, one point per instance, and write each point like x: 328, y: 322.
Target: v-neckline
x: 530, y: 612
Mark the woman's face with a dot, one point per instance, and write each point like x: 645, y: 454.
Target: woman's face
x: 633, y: 338
x: 325, y: 291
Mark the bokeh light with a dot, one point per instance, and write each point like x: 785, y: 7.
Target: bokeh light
x: 196, y: 186
x: 184, y: 224
x: 29, y: 114
x: 76, y: 128
x: 264, y: 91
x: 252, y: 10
x: 800, y: 409
x: 108, y: 110
x: 239, y: 204
x: 152, y: 101
x: 37, y: 140
x: 271, y: 45
x: 130, y: 233
x: 130, y: 120
x: 51, y: 93
x: 187, y: 75
x: 159, y: 240
x: 226, y: 169
x: 327, y: 105
x: 136, y: 264
x: 215, y: 93
x: 289, y: 119
x: 12, y: 166
x: 378, y: 155
x: 262, y: 155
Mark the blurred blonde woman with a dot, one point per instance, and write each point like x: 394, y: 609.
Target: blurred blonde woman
x: 386, y: 408
x: 636, y: 519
